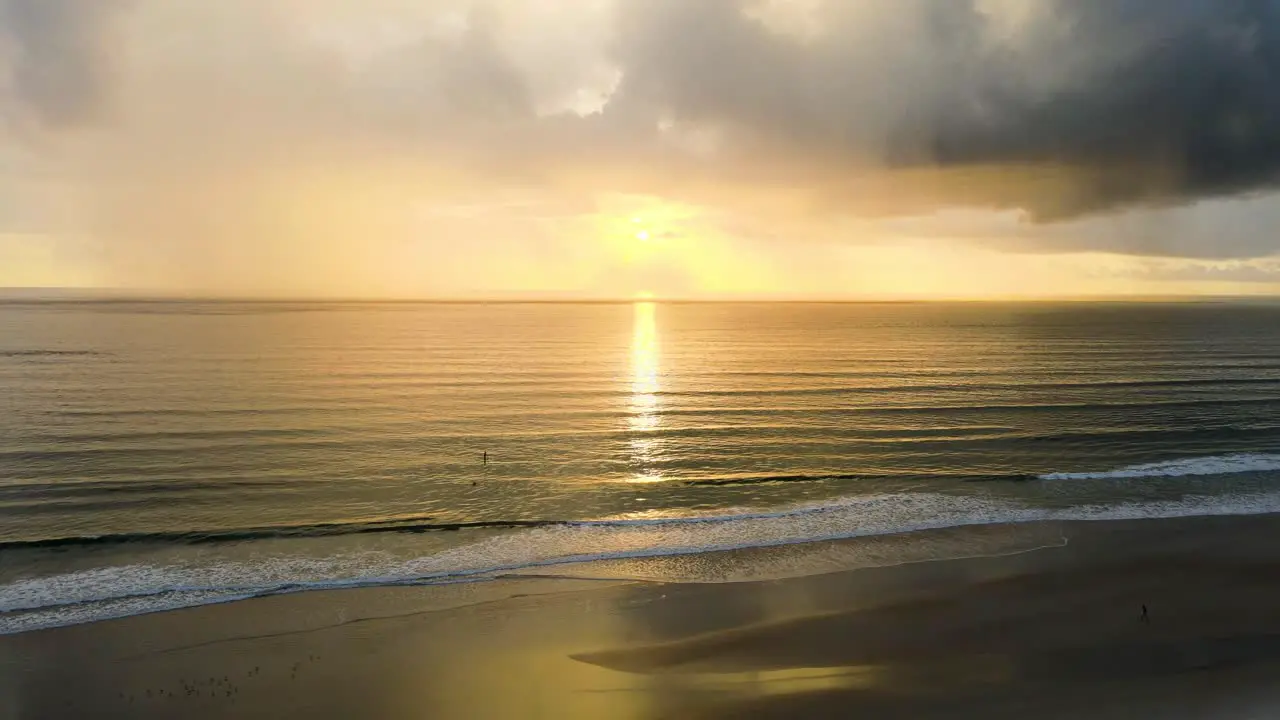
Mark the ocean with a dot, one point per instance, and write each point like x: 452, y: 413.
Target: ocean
x: 158, y: 455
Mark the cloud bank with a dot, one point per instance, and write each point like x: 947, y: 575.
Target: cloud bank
x: 217, y: 141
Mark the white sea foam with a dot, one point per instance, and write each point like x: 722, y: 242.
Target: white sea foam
x: 1211, y: 465
x: 98, y: 594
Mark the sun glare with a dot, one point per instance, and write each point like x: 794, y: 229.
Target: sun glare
x: 672, y: 250
x: 645, y: 386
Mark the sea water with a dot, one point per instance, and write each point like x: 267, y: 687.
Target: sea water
x: 156, y: 455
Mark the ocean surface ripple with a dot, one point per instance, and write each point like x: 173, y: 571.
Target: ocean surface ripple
x: 163, y: 455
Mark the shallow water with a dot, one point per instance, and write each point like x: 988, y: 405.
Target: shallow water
x: 155, y: 455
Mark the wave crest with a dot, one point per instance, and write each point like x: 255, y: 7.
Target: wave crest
x: 86, y: 596
x: 1212, y: 465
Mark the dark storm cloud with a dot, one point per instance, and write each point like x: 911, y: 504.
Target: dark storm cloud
x: 1199, y: 100
x: 55, y: 56
x: 1125, y: 101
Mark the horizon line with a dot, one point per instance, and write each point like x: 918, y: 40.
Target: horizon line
x: 10, y: 295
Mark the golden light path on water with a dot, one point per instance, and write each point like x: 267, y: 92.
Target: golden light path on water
x: 644, y: 418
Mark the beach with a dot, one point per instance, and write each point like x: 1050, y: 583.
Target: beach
x: 640, y: 359
x: 1057, y: 631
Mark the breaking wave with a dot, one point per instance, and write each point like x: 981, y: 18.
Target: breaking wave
x: 1212, y: 465
x: 130, y: 589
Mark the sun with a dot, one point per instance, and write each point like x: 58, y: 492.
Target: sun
x: 643, y: 236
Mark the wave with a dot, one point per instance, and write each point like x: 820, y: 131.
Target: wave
x: 413, y: 524
x: 1213, y: 465
x: 418, y: 524
x: 116, y: 591
x: 831, y: 477
x: 49, y: 353
x: 274, y: 532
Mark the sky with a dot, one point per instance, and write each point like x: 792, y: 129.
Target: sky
x: 703, y: 149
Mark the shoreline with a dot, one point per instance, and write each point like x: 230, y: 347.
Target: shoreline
x: 1045, y: 630
x: 661, y: 549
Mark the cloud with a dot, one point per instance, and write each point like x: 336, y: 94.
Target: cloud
x: 55, y: 57
x: 1057, y: 107
x: 299, y: 143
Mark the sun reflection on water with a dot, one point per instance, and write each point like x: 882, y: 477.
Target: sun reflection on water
x: 644, y: 418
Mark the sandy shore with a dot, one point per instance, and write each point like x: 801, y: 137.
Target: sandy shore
x: 1052, y: 633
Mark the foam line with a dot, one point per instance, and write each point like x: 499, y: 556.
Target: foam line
x: 102, y: 593
x: 1212, y: 465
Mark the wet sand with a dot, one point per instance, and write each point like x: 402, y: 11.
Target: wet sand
x: 1052, y: 633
